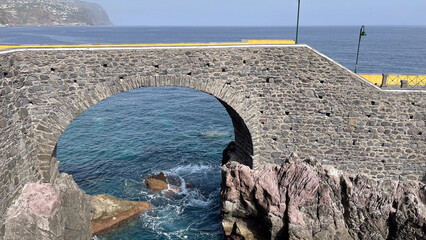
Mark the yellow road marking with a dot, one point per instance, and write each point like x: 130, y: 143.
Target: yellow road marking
x: 247, y: 42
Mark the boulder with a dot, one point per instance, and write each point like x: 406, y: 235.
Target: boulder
x: 110, y: 212
x: 160, y: 182
x: 304, y: 200
x: 157, y: 182
x: 46, y: 211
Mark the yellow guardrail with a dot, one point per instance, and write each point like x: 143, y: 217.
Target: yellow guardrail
x: 411, y: 79
x: 244, y: 42
x: 395, y: 79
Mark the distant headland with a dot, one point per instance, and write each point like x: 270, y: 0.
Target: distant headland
x: 51, y: 13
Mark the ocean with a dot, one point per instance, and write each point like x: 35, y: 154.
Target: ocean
x: 112, y: 147
x: 398, y: 49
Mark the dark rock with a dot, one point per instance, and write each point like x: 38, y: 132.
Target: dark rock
x: 234, y: 235
x: 232, y: 153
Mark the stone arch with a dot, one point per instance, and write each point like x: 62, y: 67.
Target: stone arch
x: 63, y: 111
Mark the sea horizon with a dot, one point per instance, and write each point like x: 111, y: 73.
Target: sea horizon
x: 386, y: 49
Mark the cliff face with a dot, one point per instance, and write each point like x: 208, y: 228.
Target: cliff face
x: 306, y: 201
x: 96, y: 13
x: 51, y: 13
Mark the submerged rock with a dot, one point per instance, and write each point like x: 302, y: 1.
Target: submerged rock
x: 109, y: 211
x: 46, y: 211
x: 301, y: 201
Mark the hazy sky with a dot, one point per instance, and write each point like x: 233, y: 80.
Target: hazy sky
x: 264, y: 12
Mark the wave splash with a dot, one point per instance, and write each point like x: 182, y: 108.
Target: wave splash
x: 171, y: 217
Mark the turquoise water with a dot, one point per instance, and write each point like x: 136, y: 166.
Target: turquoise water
x: 117, y: 143
x: 114, y: 145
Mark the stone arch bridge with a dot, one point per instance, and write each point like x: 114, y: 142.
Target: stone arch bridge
x: 284, y: 100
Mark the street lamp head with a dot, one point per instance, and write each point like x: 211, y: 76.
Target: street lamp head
x: 362, y: 32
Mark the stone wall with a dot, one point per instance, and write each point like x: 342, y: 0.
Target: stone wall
x: 18, y: 165
x: 283, y: 101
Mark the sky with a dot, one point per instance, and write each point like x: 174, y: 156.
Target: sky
x: 264, y: 12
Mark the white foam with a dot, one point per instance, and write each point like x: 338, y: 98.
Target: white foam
x: 169, y: 218
x: 189, y: 169
x: 158, y: 221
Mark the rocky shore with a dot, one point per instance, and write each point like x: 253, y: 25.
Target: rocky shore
x: 304, y: 200
x: 297, y: 200
x: 63, y: 211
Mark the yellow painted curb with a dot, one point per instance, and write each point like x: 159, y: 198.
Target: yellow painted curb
x: 247, y: 42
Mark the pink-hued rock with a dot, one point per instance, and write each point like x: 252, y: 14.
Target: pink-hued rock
x: 41, y: 198
x: 50, y: 212
x: 302, y: 201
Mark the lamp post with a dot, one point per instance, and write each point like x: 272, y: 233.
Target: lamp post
x: 362, y: 34
x: 297, y: 28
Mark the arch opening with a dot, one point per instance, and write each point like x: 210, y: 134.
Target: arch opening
x: 242, y: 150
x: 205, y: 129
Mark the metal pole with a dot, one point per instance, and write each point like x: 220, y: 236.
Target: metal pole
x: 359, y: 43
x: 297, y: 28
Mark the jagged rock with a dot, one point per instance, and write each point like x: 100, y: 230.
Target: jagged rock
x: 45, y: 211
x: 301, y: 201
x: 110, y: 212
